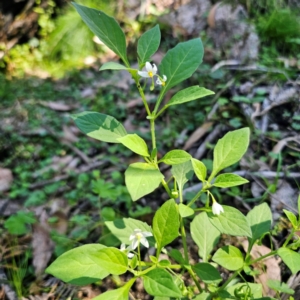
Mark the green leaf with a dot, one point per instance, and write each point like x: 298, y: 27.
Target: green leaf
x: 290, y: 258
x: 17, y: 223
x: 228, y: 180
x: 199, y: 169
x: 280, y: 286
x: 99, y: 126
x: 203, y: 296
x: 142, y: 179
x: 166, y: 224
x: 123, y: 228
x: 299, y: 205
x: 121, y: 293
x: 230, y: 149
x: 111, y: 65
x: 229, y: 257
x: 231, y: 222
x: 105, y: 28
x: 177, y: 256
x: 182, y: 173
x: 292, y: 218
x: 159, y: 282
x: 260, y: 220
x: 135, y: 143
x: 207, y: 273
x: 185, y: 211
x: 148, y: 44
x: 204, y: 235
x: 189, y: 94
x: 112, y: 260
x: 181, y: 62
x: 243, y: 288
x: 175, y: 157
x: 79, y: 266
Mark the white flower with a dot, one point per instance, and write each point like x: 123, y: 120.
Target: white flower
x: 217, y: 208
x: 138, y: 236
x: 123, y: 249
x: 162, y: 81
x: 151, y: 70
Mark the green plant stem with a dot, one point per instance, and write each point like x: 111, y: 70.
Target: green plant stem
x: 165, y: 185
x: 191, y: 272
x: 196, y: 197
x: 289, y: 238
x: 139, y: 257
x: 228, y: 280
x: 143, y: 97
x: 183, y: 236
x: 160, y: 97
x: 152, y: 127
x: 161, y: 111
x: 262, y: 257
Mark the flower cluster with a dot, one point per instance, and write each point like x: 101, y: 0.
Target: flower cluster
x: 151, y: 72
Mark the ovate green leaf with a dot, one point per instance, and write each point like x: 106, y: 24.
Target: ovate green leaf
x: 112, y: 260
x: 229, y: 180
x: 290, y: 258
x: 230, y: 149
x: 79, y: 266
x: 185, y: 211
x: 99, y: 126
x: 292, y: 218
x: 182, y: 173
x: 121, y: 293
x: 166, y: 224
x: 105, y: 28
x: 199, y: 169
x: 159, y: 282
x: 148, y: 44
x: 112, y: 66
x: 204, y: 234
x: 260, y: 220
x: 189, y: 94
x: 232, y: 222
x: 135, y: 143
x: 229, y: 257
x: 175, y: 157
x: 280, y: 286
x: 207, y: 273
x: 142, y: 179
x: 181, y: 62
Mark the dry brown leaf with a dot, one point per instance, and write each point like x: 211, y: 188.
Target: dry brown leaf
x: 197, y: 134
x: 42, y: 246
x: 58, y: 163
x: 285, y: 197
x: 6, y: 179
x: 280, y: 145
x: 69, y: 135
x: 269, y: 267
x: 88, y: 92
x: 59, y: 106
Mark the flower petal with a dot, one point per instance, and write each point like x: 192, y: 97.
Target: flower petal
x: 143, y: 74
x: 148, y: 67
x: 134, y: 244
x: 145, y: 242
